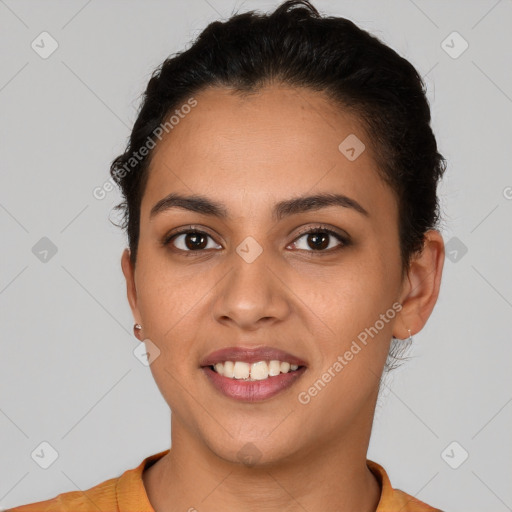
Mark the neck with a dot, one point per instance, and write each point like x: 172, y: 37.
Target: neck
x: 332, y: 476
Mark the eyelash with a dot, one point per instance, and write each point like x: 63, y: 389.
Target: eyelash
x: 345, y: 242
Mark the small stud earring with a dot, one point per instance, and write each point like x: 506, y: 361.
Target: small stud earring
x: 408, y: 340
x: 136, y: 329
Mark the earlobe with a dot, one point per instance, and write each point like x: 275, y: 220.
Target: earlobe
x: 424, y: 282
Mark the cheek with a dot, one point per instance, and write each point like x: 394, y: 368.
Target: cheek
x: 168, y: 306
x: 167, y: 291
x: 354, y: 292
x: 346, y: 309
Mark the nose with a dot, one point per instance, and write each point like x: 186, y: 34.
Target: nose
x: 253, y: 294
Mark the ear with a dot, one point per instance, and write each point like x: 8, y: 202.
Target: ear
x: 420, y: 293
x: 131, y: 292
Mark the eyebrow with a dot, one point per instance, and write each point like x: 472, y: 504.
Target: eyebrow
x: 286, y: 208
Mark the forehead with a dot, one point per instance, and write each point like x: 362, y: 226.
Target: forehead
x: 276, y: 143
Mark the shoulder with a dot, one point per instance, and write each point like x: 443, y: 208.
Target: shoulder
x: 99, y: 497
x: 391, y: 499
x: 410, y: 503
x: 121, y: 494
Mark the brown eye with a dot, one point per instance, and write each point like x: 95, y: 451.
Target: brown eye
x: 321, y: 240
x: 318, y: 240
x: 190, y: 241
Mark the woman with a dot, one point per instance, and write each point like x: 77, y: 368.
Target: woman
x: 281, y: 211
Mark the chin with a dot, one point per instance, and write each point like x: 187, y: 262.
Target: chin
x: 253, y: 451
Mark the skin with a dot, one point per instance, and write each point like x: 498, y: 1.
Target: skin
x: 249, y: 153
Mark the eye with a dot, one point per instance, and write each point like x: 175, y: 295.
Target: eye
x: 318, y: 239
x: 190, y: 240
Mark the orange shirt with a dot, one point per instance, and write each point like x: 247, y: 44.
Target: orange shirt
x: 127, y: 494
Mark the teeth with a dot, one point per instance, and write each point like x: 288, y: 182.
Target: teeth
x: 229, y: 369
x: 259, y: 370
x: 255, y: 371
x: 274, y: 368
x: 241, y: 370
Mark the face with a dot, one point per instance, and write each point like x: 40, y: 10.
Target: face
x: 252, y: 278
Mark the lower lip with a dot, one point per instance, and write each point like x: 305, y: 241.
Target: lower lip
x: 252, y: 390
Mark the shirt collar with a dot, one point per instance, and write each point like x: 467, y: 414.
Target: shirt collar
x: 386, y: 491
x: 130, y: 491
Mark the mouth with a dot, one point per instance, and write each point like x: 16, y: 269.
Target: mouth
x: 252, y: 375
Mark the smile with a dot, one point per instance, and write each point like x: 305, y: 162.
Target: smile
x: 251, y: 390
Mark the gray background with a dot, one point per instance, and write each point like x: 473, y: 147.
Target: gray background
x: 68, y: 375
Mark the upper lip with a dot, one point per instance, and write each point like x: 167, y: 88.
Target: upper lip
x: 250, y: 355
